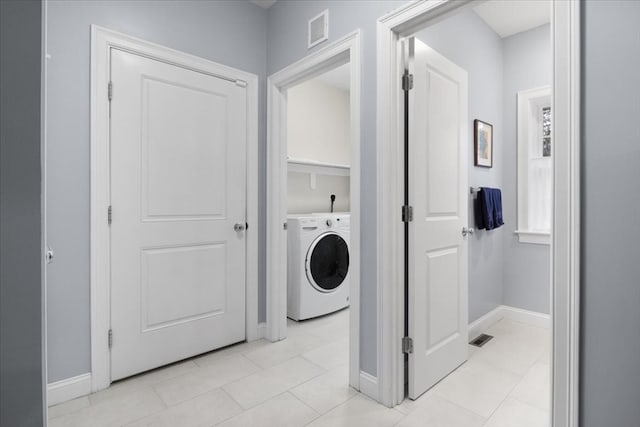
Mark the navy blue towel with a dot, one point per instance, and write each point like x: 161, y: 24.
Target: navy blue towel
x: 488, y: 208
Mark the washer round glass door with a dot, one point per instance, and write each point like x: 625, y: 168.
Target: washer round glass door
x: 327, y: 262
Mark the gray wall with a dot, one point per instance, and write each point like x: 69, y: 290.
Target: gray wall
x: 468, y: 41
x: 21, y: 349
x: 610, y: 261
x: 229, y: 32
x: 526, y: 266
x: 501, y: 270
x: 287, y: 43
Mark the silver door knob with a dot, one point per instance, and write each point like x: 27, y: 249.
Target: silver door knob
x: 239, y: 227
x: 466, y: 231
x: 49, y: 255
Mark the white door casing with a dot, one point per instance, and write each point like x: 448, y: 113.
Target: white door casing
x: 178, y: 173
x: 565, y: 27
x: 346, y: 49
x: 439, y: 194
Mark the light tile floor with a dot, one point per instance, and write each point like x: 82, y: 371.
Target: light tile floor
x: 303, y: 381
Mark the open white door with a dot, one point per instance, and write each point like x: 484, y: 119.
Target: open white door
x: 438, y: 192
x: 178, y: 193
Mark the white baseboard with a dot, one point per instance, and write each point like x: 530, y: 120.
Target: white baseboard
x: 529, y: 317
x: 258, y: 333
x: 71, y: 388
x: 369, y: 385
x: 480, y: 325
x: 532, y: 318
x: 68, y: 389
x: 262, y: 330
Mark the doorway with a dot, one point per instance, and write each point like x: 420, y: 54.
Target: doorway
x: 403, y: 23
x: 436, y: 225
x: 310, y: 174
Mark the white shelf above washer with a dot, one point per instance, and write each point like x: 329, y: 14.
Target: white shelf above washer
x: 315, y: 167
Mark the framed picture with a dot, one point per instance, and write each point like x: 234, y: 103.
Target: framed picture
x: 482, y: 144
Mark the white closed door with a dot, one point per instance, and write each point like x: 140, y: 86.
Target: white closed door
x: 178, y: 140
x: 438, y: 192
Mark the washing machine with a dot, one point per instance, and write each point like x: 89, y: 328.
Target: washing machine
x: 317, y: 264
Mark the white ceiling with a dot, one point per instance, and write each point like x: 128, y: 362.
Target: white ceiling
x: 338, y: 77
x: 509, y: 17
x: 265, y: 4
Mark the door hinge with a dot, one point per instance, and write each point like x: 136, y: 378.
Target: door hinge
x: 284, y: 225
x: 407, y: 81
x: 407, y: 213
x: 407, y: 345
x: 110, y: 91
x: 110, y: 338
x: 109, y: 210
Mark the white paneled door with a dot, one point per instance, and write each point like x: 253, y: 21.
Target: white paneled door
x: 178, y: 193
x: 438, y: 192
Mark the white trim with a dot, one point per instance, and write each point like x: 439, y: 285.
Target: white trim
x: 483, y: 323
x: 535, y: 237
x: 102, y: 40
x: 529, y: 317
x: 528, y: 102
x: 313, y: 167
x: 346, y: 49
x: 68, y: 389
x: 369, y: 385
x: 401, y: 22
x: 565, y: 265
x: 261, y: 331
x: 521, y: 315
x: 43, y: 206
x: 565, y: 299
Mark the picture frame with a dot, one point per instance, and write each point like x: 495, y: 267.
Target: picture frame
x: 482, y: 144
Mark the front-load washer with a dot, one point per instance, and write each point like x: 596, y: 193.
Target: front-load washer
x: 317, y: 264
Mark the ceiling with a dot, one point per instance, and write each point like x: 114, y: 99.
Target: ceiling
x: 338, y: 77
x: 509, y: 17
x: 265, y: 4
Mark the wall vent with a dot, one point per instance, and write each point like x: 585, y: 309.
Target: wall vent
x: 319, y: 28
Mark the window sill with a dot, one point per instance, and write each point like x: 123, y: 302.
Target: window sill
x: 535, y: 237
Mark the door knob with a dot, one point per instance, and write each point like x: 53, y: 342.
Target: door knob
x: 239, y: 227
x: 466, y: 231
x: 49, y: 255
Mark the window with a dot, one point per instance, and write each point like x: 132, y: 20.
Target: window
x: 535, y: 167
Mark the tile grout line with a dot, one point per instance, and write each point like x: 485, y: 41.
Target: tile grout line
x: 72, y: 412
x: 318, y: 414
x: 502, y: 401
x: 459, y: 406
x: 242, y: 410
x: 286, y: 390
x: 402, y: 418
x: 520, y: 382
x: 147, y: 415
x: 494, y: 366
x: 334, y: 408
x: 207, y: 391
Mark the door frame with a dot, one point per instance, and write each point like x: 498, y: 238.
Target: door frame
x: 565, y: 27
x: 102, y: 40
x: 342, y: 51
